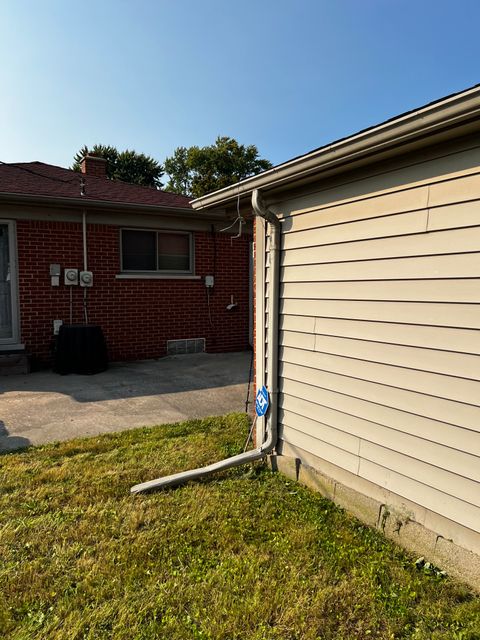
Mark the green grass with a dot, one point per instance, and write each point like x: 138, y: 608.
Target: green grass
x: 247, y: 555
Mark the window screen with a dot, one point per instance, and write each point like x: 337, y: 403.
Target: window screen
x: 173, y: 251
x: 162, y: 251
x: 138, y: 250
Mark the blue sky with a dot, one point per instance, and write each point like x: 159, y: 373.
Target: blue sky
x: 286, y: 75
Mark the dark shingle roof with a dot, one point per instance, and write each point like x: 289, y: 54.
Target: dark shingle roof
x: 40, y: 179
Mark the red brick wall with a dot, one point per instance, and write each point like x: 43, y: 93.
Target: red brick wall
x: 137, y: 316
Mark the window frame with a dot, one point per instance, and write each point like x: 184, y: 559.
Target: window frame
x: 157, y: 271
x: 14, y: 339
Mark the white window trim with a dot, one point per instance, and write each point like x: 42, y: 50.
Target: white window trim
x: 158, y: 273
x: 14, y: 340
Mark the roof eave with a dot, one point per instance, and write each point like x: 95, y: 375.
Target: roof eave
x: 20, y: 198
x: 447, y: 113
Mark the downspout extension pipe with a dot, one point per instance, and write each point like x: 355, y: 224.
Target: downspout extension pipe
x: 270, y: 442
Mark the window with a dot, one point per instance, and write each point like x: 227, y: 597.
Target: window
x: 160, y: 251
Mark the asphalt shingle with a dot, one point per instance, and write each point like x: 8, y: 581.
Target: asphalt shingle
x: 41, y: 179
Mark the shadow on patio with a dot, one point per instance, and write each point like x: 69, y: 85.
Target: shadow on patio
x: 44, y: 406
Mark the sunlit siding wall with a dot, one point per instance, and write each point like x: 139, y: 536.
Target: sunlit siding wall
x: 379, y: 341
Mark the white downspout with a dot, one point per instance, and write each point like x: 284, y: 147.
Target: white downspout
x: 85, y: 253
x: 272, y: 374
x: 84, y: 231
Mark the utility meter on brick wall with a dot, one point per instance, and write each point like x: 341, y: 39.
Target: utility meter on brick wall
x: 86, y: 279
x: 70, y: 276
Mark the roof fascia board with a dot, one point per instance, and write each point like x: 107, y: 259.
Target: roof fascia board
x: 116, y: 218
x: 423, y: 122
x: 17, y: 198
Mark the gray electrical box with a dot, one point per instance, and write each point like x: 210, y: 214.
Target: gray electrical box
x: 56, y: 326
x: 55, y: 270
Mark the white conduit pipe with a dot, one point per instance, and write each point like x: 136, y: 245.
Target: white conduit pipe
x: 272, y: 375
x: 84, y: 230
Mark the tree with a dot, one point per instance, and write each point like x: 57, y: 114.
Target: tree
x: 128, y: 166
x: 198, y: 170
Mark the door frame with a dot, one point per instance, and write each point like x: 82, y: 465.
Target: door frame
x: 14, y: 341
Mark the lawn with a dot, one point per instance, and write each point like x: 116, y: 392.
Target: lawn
x: 248, y: 554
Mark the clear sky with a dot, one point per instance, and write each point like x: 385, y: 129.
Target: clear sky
x: 286, y: 75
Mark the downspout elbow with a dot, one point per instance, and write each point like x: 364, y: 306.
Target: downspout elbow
x: 260, y: 209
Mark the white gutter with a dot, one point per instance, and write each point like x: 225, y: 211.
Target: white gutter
x: 419, y: 123
x: 272, y: 375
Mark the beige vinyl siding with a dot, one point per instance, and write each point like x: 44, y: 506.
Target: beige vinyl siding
x: 380, y: 330
x: 454, y: 290
x: 463, y: 265
x: 434, y: 243
x: 444, y: 362
x: 437, y: 314
x: 436, y: 408
x: 462, y: 340
x: 458, y: 389
x: 447, y: 443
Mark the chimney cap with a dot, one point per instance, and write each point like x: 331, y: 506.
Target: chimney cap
x: 94, y: 156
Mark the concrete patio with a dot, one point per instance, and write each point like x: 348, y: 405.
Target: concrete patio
x: 44, y: 406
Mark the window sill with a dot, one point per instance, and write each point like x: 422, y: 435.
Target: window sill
x: 155, y: 276
x: 11, y: 346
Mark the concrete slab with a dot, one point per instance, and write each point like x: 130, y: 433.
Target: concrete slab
x: 44, y: 406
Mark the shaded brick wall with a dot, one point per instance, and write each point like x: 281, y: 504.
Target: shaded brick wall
x: 137, y: 316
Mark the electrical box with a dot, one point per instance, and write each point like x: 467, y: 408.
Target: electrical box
x: 55, y: 271
x: 86, y: 279
x: 56, y: 326
x: 70, y: 276
x: 209, y: 280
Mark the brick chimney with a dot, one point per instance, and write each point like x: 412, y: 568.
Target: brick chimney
x: 94, y: 166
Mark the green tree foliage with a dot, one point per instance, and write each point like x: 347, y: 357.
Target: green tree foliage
x: 199, y: 170
x: 128, y: 166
